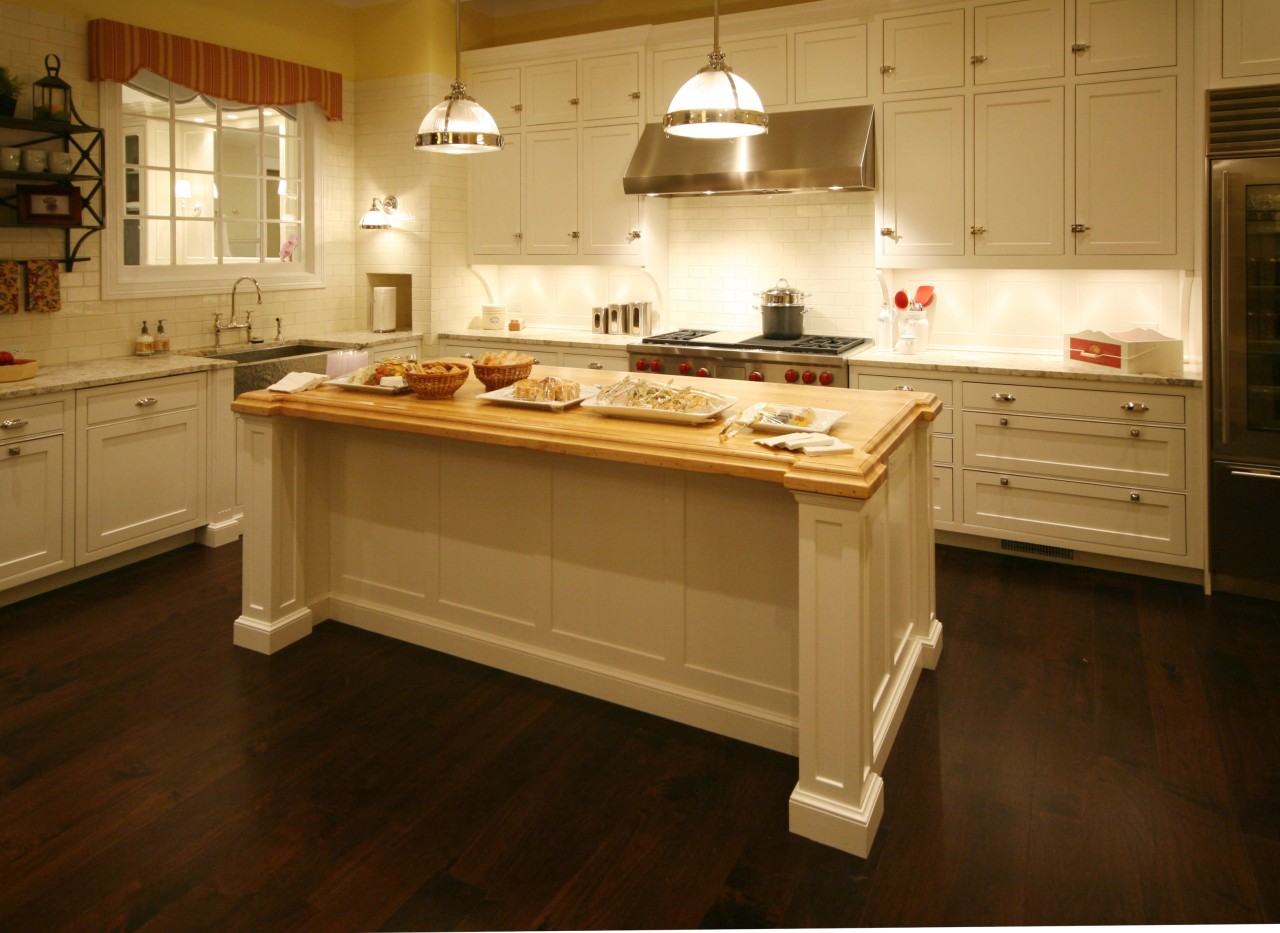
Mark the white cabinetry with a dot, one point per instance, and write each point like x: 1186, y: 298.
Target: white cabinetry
x: 1017, y: 41
x: 1122, y: 35
x: 496, y: 200
x: 924, y: 172
x: 1250, y: 38
x: 140, y: 463
x: 36, y: 492
x: 551, y: 193
x: 611, y: 87
x: 831, y: 64
x: 498, y: 91
x: 551, y: 93
x: 923, y: 52
x: 1057, y: 466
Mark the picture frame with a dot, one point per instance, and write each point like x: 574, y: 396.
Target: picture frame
x: 49, y: 205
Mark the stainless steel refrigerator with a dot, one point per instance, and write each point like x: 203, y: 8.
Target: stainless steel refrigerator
x: 1243, y: 359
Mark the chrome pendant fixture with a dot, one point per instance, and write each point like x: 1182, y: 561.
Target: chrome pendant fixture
x: 715, y: 103
x: 458, y: 125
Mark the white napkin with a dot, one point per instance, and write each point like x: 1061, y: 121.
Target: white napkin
x: 298, y: 382
x: 795, y: 440
x: 836, y: 446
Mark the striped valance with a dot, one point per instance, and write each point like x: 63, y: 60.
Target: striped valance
x: 117, y: 52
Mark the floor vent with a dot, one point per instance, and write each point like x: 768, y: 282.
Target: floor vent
x: 1041, y: 550
x: 1244, y: 121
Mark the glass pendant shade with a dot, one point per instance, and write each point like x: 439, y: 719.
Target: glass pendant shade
x: 716, y: 104
x: 458, y: 125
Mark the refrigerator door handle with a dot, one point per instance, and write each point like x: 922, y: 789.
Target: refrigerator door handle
x: 1256, y: 474
x: 1224, y: 244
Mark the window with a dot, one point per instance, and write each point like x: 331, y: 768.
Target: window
x: 202, y: 190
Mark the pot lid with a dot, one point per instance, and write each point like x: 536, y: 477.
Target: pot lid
x: 782, y: 294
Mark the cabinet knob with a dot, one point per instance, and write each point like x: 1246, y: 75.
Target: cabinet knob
x: 1134, y: 432
x: 537, y: 362
x: 1134, y: 497
x: 634, y: 95
x: 1003, y: 397
x: 14, y: 451
x: 146, y: 401
x: 977, y: 231
x: 977, y: 59
x: 1079, y: 228
x: 594, y: 365
x: 468, y: 356
x: 574, y: 234
x: 1004, y: 422
x: 1004, y: 481
x: 1135, y: 406
x: 633, y: 236
x: 517, y: 236
x: 13, y: 423
x: 889, y: 232
x: 573, y: 101
x: 517, y: 107
x: 1079, y: 46
x: 887, y: 69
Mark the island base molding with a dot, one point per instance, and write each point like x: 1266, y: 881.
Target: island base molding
x: 796, y: 621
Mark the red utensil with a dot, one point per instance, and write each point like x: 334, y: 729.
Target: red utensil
x: 924, y: 295
x: 900, y: 300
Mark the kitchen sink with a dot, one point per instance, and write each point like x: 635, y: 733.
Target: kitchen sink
x: 259, y: 367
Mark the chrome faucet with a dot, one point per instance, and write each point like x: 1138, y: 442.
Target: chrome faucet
x: 246, y: 325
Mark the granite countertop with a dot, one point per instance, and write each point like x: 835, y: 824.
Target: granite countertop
x: 89, y: 373
x: 994, y: 363
x: 543, y: 336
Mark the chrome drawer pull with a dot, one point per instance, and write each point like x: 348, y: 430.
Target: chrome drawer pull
x: 1004, y: 422
x: 1004, y: 481
x: 1135, y: 406
x: 1133, y: 496
x: 14, y: 423
x: 146, y: 400
x: 1135, y: 433
x: 468, y: 356
x: 904, y: 388
x: 1003, y: 397
x: 594, y: 365
x: 1255, y: 474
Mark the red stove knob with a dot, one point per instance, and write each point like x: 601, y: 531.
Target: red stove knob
x: 756, y: 377
x: 824, y: 378
x: 807, y: 378
x: 656, y: 366
x: 641, y: 365
x: 684, y: 368
x: 791, y: 375
x: 702, y: 371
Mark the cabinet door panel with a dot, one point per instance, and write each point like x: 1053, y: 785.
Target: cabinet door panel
x: 495, y: 200
x: 1020, y: 41
x: 1250, y: 38
x: 1126, y: 167
x: 141, y: 480
x: 924, y: 177
x: 498, y: 91
x: 1018, y: 175
x: 34, y: 542
x: 831, y: 64
x: 611, y: 87
x: 551, y: 93
x: 551, y: 193
x: 924, y: 52
x: 1119, y: 35
x: 609, y: 215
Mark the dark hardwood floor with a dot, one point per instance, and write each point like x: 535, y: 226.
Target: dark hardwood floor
x: 1093, y: 749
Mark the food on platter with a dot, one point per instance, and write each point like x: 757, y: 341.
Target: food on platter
x: 504, y: 358
x: 642, y: 393
x: 546, y: 389
x: 792, y: 417
x: 375, y: 373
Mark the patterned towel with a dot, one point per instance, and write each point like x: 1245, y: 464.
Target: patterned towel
x: 44, y: 291
x: 10, y: 282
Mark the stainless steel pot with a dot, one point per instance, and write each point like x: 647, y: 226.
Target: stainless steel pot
x: 781, y: 312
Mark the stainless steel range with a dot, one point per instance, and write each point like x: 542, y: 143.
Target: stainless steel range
x: 813, y: 359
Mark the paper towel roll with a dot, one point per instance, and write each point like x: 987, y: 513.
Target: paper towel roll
x: 384, y: 309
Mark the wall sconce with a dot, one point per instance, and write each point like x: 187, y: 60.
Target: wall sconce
x: 182, y: 190
x: 378, y: 216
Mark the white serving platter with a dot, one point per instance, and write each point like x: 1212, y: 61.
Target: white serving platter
x: 503, y: 397
x: 344, y: 382
x: 823, y: 418
x: 658, y: 414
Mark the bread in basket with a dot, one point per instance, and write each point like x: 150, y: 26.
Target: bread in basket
x: 503, y: 368
x: 435, y: 378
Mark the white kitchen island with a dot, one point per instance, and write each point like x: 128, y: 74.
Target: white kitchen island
x: 776, y: 598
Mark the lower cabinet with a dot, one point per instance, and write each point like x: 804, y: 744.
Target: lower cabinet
x: 35, y: 488
x: 1054, y: 466
x: 140, y: 463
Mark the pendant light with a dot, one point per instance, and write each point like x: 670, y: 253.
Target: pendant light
x: 458, y: 125
x: 715, y: 103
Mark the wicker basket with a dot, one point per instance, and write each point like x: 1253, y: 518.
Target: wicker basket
x: 437, y: 385
x: 499, y: 377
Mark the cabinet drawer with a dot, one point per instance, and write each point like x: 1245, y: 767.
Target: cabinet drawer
x: 601, y: 361
x: 1088, y: 450
x: 942, y: 449
x: 943, y: 494
x: 1089, y: 514
x: 28, y: 417
x: 1122, y: 405
x: 142, y: 398
x: 939, y: 387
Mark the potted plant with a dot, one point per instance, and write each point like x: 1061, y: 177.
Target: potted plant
x: 10, y: 88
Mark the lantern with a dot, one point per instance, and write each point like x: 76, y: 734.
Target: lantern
x: 50, y: 95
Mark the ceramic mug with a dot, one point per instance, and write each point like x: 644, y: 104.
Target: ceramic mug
x: 35, y: 160
x: 60, y: 162
x: 10, y: 160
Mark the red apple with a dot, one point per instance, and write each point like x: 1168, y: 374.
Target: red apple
x: 6, y: 358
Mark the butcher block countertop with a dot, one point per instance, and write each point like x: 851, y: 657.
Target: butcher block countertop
x: 875, y: 424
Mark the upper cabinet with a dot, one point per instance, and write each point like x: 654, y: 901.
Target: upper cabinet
x: 1250, y: 38
x: 498, y: 90
x: 1121, y: 35
x: 611, y: 87
x: 1017, y: 41
x: 924, y: 52
x: 831, y: 64
x: 551, y: 93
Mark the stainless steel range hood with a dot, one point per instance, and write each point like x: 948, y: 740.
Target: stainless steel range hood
x: 804, y: 150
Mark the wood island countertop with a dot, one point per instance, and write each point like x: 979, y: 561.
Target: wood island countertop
x: 876, y: 423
